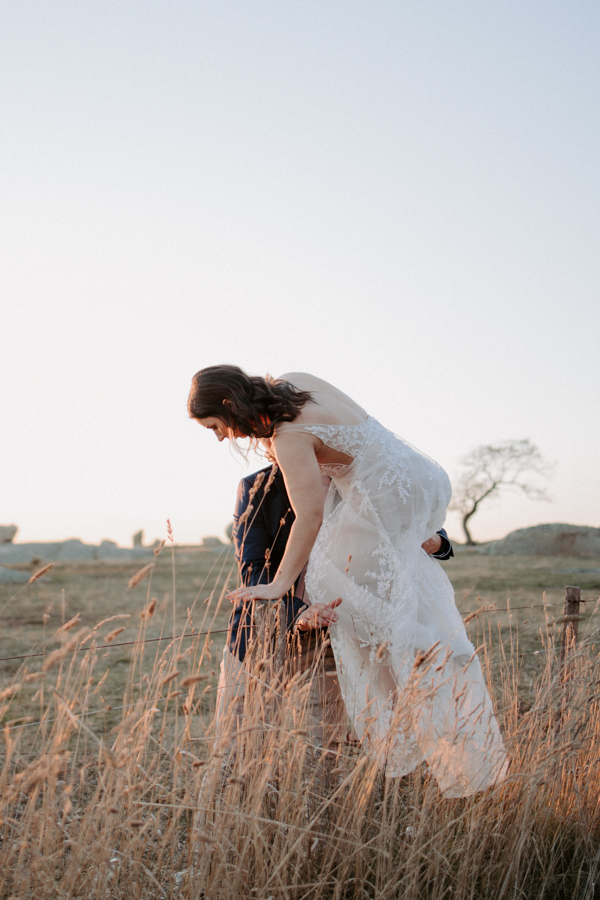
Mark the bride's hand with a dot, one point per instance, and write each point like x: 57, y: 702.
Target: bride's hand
x: 258, y: 592
x: 319, y: 615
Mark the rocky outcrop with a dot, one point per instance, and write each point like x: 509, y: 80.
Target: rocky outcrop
x: 556, y: 539
x: 7, y: 533
x: 109, y: 550
x: 212, y: 543
x: 13, y: 576
x: 68, y: 551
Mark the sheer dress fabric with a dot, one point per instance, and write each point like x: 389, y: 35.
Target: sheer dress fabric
x: 398, y: 604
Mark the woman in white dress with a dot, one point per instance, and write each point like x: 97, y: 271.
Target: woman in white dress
x: 410, y: 678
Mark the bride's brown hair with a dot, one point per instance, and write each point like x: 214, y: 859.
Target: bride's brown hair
x: 249, y: 404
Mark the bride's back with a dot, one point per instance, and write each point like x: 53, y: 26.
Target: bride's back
x: 330, y: 406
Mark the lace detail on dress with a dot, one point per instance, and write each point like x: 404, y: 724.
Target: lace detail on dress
x: 334, y: 470
x: 353, y: 439
x: 348, y: 439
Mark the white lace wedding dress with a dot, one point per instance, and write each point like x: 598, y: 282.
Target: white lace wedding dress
x: 397, y: 605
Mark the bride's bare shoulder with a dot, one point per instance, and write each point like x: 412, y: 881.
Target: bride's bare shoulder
x: 335, y: 405
x: 305, y: 381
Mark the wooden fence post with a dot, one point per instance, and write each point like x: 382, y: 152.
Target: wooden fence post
x: 570, y: 621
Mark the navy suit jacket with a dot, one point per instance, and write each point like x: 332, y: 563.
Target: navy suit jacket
x: 268, y: 528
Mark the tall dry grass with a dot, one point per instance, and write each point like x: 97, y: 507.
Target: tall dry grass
x: 154, y: 805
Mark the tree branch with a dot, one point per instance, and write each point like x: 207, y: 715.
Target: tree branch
x: 488, y: 468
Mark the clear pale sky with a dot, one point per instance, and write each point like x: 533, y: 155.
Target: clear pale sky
x: 400, y: 197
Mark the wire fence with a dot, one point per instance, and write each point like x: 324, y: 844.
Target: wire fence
x: 175, y: 637
x: 472, y: 612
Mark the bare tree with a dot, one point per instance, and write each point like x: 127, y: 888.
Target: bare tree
x: 488, y: 469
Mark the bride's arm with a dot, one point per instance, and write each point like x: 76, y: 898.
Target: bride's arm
x: 296, y: 455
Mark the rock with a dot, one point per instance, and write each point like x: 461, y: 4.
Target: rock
x: 74, y: 549
x: 12, y: 576
x: 109, y: 550
x: 71, y: 550
x: 138, y: 538
x: 556, y: 539
x: 212, y: 543
x: 55, y: 551
x: 7, y: 533
x: 25, y: 553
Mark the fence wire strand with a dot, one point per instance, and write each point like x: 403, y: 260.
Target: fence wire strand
x: 177, y: 637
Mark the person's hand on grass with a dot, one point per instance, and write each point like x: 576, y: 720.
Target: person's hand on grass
x: 258, y: 592
x: 319, y: 615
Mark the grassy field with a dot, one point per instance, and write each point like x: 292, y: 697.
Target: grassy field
x: 508, y: 586
x: 112, y: 784
x: 181, y: 583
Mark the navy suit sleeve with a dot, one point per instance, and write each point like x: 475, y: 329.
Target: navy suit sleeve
x: 445, y: 551
x: 251, y: 537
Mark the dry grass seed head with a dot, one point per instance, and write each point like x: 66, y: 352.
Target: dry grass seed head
x: 132, y: 719
x: 381, y: 650
x: 9, y: 691
x: 69, y: 625
x: 53, y: 658
x: 205, y: 838
x: 150, y: 609
x: 139, y: 576
x: 426, y: 656
x: 193, y: 679
x: 246, y: 514
x: 257, y: 483
x: 271, y: 477
x: 40, y: 573
x: 110, y: 619
x: 58, y: 655
x: 473, y: 615
x: 113, y: 634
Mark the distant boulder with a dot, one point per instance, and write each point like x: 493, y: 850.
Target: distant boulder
x: 107, y: 550
x: 71, y: 550
x: 212, y: 543
x: 74, y: 549
x: 13, y: 576
x: 7, y: 533
x: 14, y: 554
x: 110, y: 550
x: 556, y: 539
